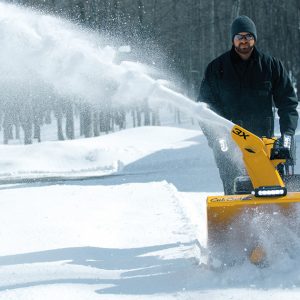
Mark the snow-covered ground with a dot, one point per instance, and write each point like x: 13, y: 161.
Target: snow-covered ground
x: 132, y: 234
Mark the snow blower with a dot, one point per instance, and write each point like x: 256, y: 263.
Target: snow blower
x: 265, y: 192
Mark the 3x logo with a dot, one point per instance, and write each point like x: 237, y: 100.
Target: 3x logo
x: 240, y: 133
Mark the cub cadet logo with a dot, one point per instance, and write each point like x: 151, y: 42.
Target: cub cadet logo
x: 240, y: 133
x: 228, y: 199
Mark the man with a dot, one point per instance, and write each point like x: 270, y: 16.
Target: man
x: 242, y: 85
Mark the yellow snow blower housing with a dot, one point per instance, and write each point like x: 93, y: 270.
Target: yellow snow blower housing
x: 269, y: 195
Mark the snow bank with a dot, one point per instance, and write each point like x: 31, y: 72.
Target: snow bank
x: 97, y: 156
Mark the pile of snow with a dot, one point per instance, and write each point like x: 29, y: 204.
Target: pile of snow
x: 97, y: 156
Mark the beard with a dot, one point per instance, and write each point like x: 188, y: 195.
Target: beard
x: 244, y: 48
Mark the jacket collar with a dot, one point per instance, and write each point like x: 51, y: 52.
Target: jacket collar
x: 236, y: 58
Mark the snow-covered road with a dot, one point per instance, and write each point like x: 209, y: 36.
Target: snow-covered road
x: 131, y: 236
x: 130, y: 239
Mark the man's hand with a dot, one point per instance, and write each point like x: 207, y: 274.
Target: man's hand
x: 285, y: 148
x: 287, y: 141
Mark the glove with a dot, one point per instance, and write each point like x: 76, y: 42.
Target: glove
x: 287, y: 141
x: 283, y: 147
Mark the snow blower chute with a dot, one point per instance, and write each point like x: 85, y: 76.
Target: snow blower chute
x: 267, y: 193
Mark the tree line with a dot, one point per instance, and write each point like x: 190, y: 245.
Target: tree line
x: 93, y: 120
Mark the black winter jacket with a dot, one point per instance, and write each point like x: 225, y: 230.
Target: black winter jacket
x: 244, y: 92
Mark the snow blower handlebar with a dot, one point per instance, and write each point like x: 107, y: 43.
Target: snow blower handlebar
x: 257, y: 154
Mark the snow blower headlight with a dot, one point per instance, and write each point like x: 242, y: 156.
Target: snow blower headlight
x: 270, y: 191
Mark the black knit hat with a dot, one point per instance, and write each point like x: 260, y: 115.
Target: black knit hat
x: 243, y: 24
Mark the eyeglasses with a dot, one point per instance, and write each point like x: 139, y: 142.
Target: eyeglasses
x: 247, y: 36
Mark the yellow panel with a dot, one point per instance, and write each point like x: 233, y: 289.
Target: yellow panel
x: 237, y: 200
x: 260, y: 168
x: 223, y: 209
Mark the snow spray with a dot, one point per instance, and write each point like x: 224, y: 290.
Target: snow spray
x: 51, y: 54
x: 46, y: 57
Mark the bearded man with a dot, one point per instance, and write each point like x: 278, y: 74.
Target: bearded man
x: 243, y: 85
